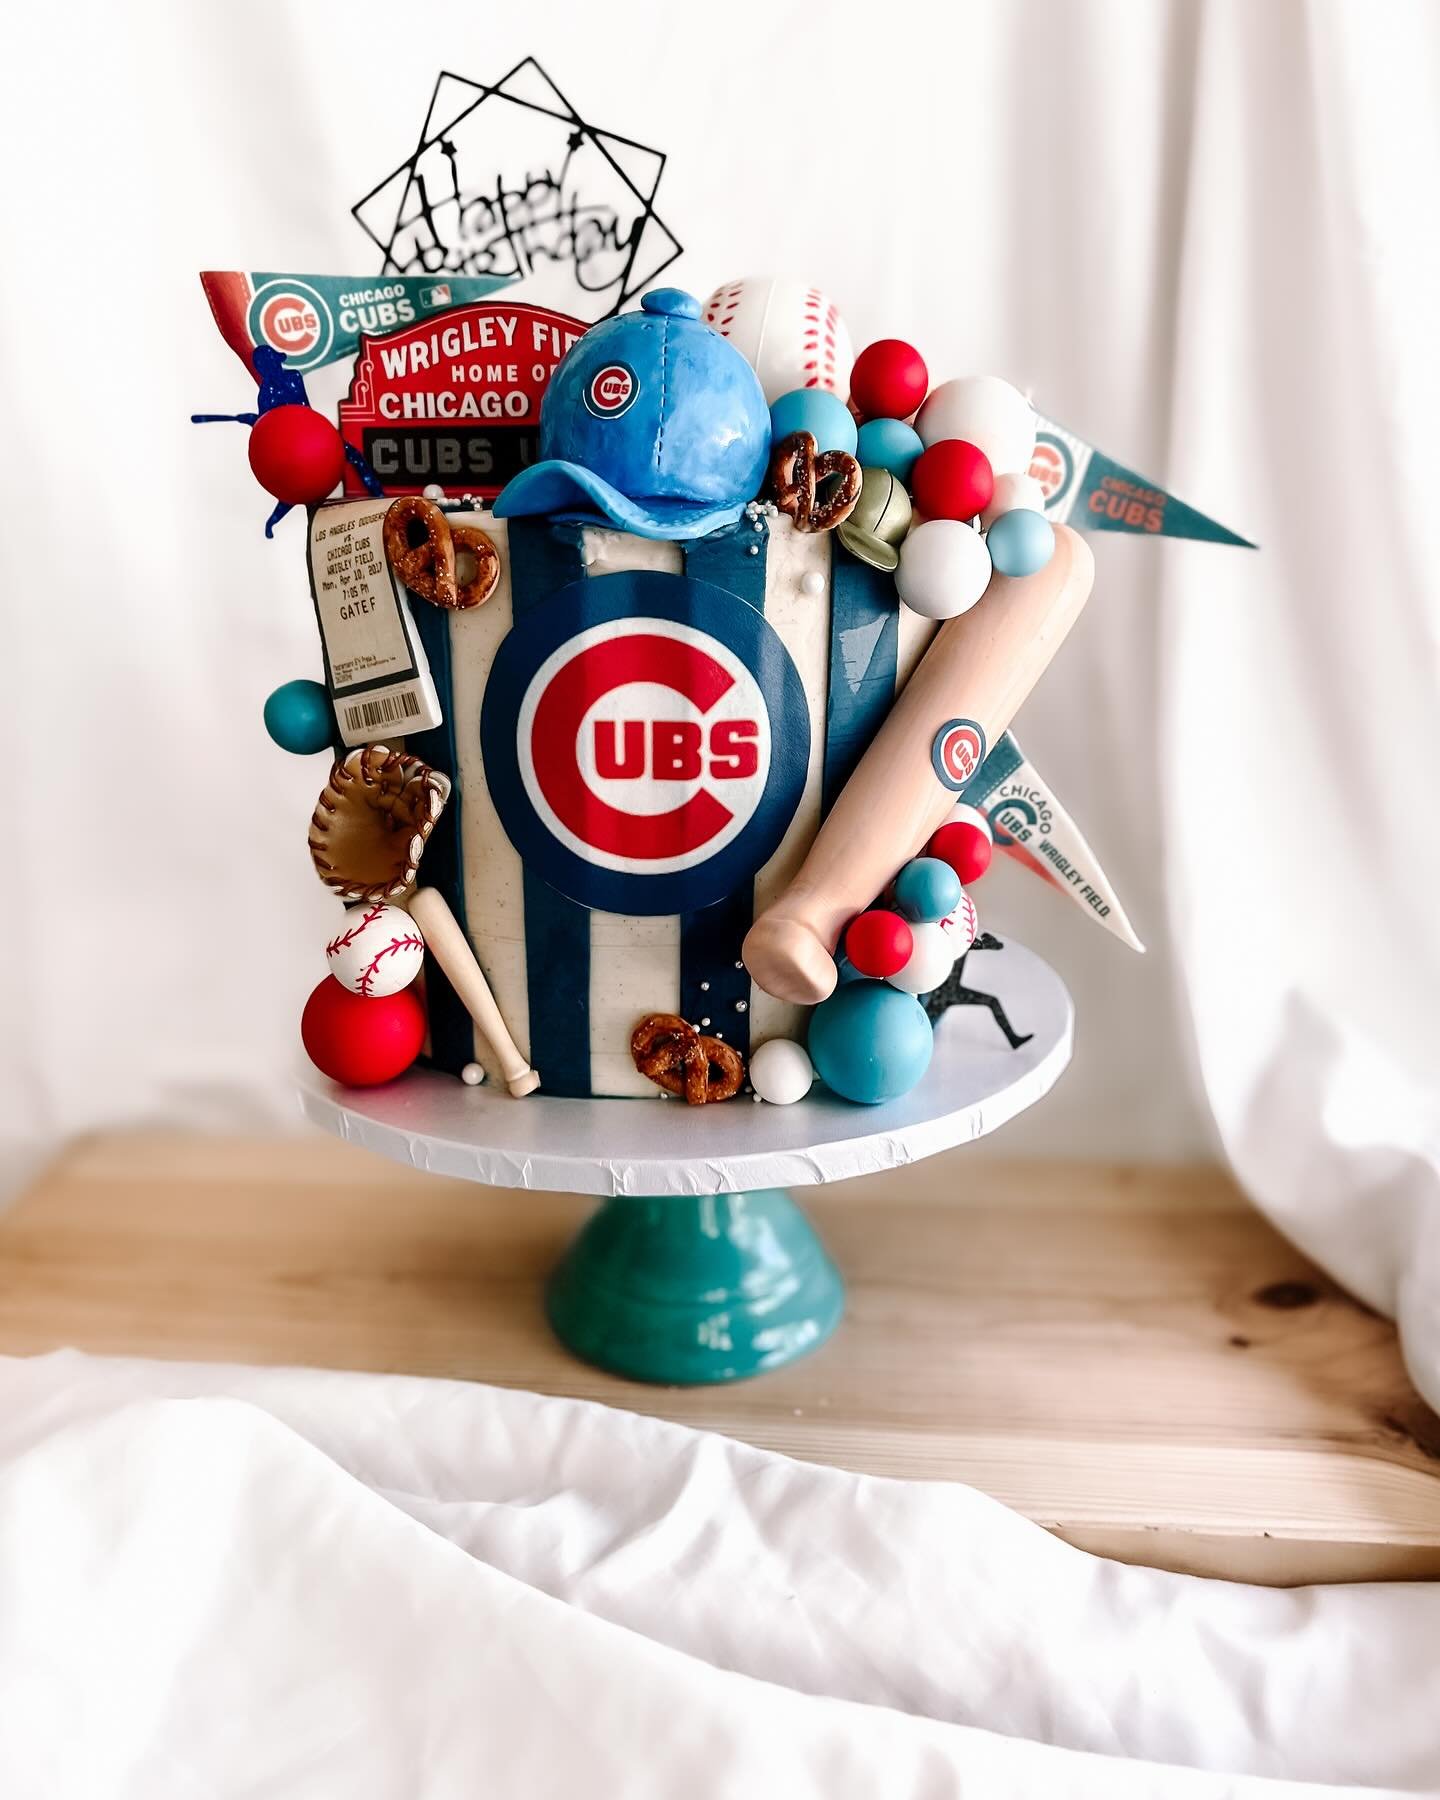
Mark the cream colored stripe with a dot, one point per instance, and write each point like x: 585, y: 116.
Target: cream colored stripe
x: 634, y: 960
x: 803, y: 623
x: 494, y: 880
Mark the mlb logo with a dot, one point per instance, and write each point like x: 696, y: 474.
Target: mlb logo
x: 437, y: 296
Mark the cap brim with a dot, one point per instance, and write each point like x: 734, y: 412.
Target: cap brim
x: 566, y: 488
x: 868, y: 549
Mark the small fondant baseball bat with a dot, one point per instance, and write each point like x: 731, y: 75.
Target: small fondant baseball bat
x: 449, y: 946
x: 979, y: 668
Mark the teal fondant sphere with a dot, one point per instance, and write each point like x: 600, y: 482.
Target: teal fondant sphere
x: 870, y: 1042
x: 299, y: 718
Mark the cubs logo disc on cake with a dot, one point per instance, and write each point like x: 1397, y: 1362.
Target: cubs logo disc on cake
x: 646, y: 739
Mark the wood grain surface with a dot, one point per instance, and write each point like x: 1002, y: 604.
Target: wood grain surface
x: 1129, y: 1356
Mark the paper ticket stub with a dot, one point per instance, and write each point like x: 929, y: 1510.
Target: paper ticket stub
x: 1091, y: 491
x: 375, y: 666
x: 317, y: 319
x: 1031, y: 825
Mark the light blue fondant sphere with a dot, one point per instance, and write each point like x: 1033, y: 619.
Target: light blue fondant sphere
x: 1021, y: 542
x: 870, y: 1042
x: 927, y: 889
x: 888, y: 444
x: 299, y: 718
x: 816, y: 410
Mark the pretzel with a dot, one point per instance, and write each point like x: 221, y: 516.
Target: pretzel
x: 425, y: 563
x: 470, y: 541
x: 797, y: 475
x: 676, y: 1057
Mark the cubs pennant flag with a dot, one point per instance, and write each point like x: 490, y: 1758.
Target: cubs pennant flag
x: 1032, y: 826
x: 1091, y: 491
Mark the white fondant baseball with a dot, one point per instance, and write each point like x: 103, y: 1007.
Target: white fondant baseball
x: 781, y: 1072
x: 962, y: 813
x: 944, y: 568
x: 961, y: 926
x: 1013, y: 493
x: 379, y: 951
x: 986, y: 412
x: 930, y: 962
x: 791, y: 334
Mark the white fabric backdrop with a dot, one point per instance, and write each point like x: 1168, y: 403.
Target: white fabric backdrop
x: 1206, y: 235
x: 231, y: 1581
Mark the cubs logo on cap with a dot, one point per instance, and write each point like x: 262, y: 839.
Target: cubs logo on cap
x: 646, y: 739
x: 611, y: 390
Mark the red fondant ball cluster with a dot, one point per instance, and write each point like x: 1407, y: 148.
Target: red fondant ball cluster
x: 889, y: 380
x: 360, y: 1041
x: 296, y: 454
x: 878, y: 943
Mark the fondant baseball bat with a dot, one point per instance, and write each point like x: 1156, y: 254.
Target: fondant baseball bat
x: 449, y: 946
x: 977, y: 671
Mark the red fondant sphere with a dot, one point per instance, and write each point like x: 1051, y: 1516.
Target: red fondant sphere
x: 965, y: 847
x: 296, y: 454
x: 952, y: 480
x: 889, y: 380
x: 879, y: 943
x: 358, y: 1041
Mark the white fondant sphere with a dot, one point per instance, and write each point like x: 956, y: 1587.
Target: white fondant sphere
x: 1013, y: 493
x: 944, y: 568
x: 378, y: 951
x: 781, y: 1072
x: 930, y: 962
x: 812, y: 582
x: 791, y: 334
x: 984, y: 411
x: 472, y: 1075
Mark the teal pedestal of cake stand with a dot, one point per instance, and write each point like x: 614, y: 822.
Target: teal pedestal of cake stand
x: 698, y: 1266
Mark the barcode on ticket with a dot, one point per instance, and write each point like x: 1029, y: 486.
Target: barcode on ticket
x: 385, y: 709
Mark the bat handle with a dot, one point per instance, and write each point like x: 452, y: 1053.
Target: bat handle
x: 448, y: 944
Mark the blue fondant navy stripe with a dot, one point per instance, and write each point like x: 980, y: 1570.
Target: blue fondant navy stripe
x: 452, y: 1035
x: 543, y: 559
x: 714, y: 985
x: 864, y: 651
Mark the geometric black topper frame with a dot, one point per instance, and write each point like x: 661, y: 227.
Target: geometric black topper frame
x: 508, y: 179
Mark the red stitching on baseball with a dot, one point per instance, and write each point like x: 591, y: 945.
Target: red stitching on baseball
x: 347, y: 938
x: 410, y: 942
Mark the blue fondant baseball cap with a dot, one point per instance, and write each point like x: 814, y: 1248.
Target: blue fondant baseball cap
x: 652, y: 420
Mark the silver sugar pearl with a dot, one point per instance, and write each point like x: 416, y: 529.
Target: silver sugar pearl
x: 742, y: 1006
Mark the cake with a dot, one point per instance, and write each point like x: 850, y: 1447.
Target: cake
x: 660, y: 717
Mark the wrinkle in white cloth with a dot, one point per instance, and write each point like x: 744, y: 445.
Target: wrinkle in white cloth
x: 329, y: 1582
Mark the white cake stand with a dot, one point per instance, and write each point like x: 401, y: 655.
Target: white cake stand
x: 700, y: 1267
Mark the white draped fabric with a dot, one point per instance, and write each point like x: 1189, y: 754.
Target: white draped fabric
x: 232, y: 1581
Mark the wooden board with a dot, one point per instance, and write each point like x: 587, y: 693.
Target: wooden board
x: 1132, y: 1357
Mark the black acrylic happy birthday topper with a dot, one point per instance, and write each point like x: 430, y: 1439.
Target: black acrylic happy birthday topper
x: 509, y: 180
